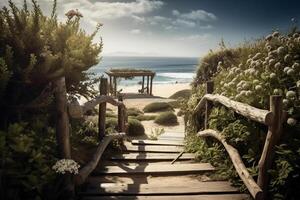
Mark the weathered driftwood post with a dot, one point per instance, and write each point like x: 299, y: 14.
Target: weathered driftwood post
x: 273, y: 136
x: 121, y: 115
x: 62, y: 131
x: 102, y: 109
x: 208, y: 104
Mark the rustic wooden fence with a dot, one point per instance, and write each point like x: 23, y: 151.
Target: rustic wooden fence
x: 65, y: 109
x: 272, y: 118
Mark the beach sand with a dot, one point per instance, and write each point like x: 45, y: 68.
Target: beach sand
x: 161, y: 93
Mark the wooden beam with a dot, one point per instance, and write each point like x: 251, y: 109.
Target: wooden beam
x: 110, y: 86
x: 151, y: 84
x: 256, y: 114
x: 90, y: 166
x: 143, y: 84
x: 147, y: 84
x: 121, y: 114
x: 238, y: 164
x: 273, y: 136
x: 102, y: 109
x: 208, y: 105
x: 115, y: 86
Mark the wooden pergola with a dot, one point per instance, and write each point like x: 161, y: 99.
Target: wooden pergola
x: 113, y: 74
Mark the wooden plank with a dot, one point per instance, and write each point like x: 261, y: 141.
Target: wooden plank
x: 152, y: 156
x: 177, y: 197
x: 167, y: 188
x: 157, y: 169
x: 157, y: 142
x: 142, y: 148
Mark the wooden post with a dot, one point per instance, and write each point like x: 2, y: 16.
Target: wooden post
x: 62, y: 132
x: 102, y: 109
x: 208, y: 106
x: 115, y: 86
x: 62, y: 119
x: 273, y: 136
x: 121, y: 115
x: 147, y: 84
x: 110, y: 86
x: 151, y: 82
x: 143, y: 84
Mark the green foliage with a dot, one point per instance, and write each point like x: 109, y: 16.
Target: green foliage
x: 85, y: 132
x: 145, y: 117
x: 111, y: 124
x: 185, y: 94
x: 166, y: 118
x: 155, y: 133
x: 27, y: 158
x: 134, y: 112
x: 135, y: 127
x: 250, y: 74
x: 158, y: 107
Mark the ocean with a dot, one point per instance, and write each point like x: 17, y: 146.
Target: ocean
x: 168, y: 69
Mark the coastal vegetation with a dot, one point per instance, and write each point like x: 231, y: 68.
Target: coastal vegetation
x: 185, y: 94
x: 166, y: 118
x: 158, y: 107
x: 251, y: 73
x: 35, y: 50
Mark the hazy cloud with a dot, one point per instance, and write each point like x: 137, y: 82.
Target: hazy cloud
x: 135, y: 31
x: 197, y: 15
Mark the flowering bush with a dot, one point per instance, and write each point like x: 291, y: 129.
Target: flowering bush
x: 66, y: 166
x: 250, y: 74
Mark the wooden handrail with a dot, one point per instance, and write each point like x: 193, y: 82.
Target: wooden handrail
x: 90, y: 166
x: 256, y: 114
x: 254, y: 189
x: 273, y: 118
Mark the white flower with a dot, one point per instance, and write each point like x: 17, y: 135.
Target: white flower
x: 295, y: 65
x: 290, y: 94
x: 66, y: 165
x: 275, y: 34
x: 277, y: 65
x: 258, y: 88
x: 287, y: 58
x: 280, y: 50
x: 290, y: 72
x: 286, y: 69
x: 272, y: 75
x: 291, y: 121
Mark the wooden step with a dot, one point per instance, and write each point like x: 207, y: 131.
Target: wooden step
x: 177, y: 197
x: 188, y: 168
x: 164, y: 188
x: 151, y: 148
x: 152, y: 156
x: 157, y: 142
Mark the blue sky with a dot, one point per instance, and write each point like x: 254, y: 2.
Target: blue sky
x: 181, y: 28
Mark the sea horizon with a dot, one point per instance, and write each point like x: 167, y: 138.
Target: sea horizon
x: 168, y: 69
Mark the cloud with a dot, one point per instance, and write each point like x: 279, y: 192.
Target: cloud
x: 194, y: 37
x: 196, y: 15
x: 135, y: 31
x: 182, y: 22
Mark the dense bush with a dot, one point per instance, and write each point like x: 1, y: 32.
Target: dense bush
x: 158, y: 107
x: 166, y: 118
x: 34, y: 51
x: 111, y: 124
x: 250, y: 74
x: 134, y: 112
x: 185, y: 94
x: 144, y: 117
x: 135, y: 127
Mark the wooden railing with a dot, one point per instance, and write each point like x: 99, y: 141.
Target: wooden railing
x: 73, y: 109
x: 273, y: 118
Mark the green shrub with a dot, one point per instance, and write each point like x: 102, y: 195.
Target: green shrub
x: 110, y: 114
x: 135, y: 127
x: 250, y: 74
x: 185, y: 94
x: 175, y: 104
x: 157, y: 132
x: 166, y: 118
x: 111, y: 124
x: 134, y: 112
x: 143, y: 117
x: 158, y: 107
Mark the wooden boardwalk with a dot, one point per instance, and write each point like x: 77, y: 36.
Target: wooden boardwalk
x: 144, y: 171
